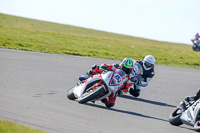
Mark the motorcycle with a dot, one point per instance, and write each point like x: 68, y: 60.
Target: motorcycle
x: 186, y: 113
x: 100, y: 86
x: 195, y: 45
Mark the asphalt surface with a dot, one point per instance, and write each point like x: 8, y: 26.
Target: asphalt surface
x: 33, y: 89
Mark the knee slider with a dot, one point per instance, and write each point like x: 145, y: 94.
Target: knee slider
x: 109, y: 105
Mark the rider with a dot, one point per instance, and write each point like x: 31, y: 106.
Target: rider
x: 148, y: 73
x: 196, y: 39
x: 126, y: 65
x: 193, y: 98
x: 190, y: 99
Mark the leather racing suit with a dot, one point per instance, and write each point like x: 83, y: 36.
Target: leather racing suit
x: 143, y: 81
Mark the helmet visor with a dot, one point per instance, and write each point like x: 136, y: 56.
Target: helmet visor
x: 148, y: 65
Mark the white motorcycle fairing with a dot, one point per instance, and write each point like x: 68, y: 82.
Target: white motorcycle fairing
x: 189, y: 117
x: 188, y: 113
x: 112, y: 81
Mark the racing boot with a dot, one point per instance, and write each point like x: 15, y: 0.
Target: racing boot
x: 134, y: 92
x: 105, y: 100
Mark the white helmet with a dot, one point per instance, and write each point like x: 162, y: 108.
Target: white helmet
x: 148, y: 62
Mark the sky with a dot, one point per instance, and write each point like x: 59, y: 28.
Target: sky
x: 163, y: 20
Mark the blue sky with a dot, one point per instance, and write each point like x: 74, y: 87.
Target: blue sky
x: 163, y: 20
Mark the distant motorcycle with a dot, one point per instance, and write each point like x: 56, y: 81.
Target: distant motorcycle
x: 196, y: 45
x: 189, y: 115
x: 100, y: 86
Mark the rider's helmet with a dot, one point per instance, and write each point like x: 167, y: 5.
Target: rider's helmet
x: 127, y: 65
x: 197, y: 36
x: 148, y: 62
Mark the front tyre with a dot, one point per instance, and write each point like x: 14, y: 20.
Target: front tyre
x: 197, y: 126
x: 91, y: 94
x: 70, y: 94
x: 195, y: 47
x: 174, y: 117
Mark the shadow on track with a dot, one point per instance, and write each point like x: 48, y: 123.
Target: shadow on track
x: 126, y: 112
x: 146, y: 101
x: 188, y: 128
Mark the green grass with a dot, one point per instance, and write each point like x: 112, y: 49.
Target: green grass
x: 10, y: 127
x: 33, y: 35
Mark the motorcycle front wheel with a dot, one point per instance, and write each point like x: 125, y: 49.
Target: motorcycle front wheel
x: 70, y: 94
x: 174, y: 117
x: 195, y: 47
x: 197, y: 126
x: 91, y: 94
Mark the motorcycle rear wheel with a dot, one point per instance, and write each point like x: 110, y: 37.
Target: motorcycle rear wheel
x: 174, y: 117
x: 88, y: 96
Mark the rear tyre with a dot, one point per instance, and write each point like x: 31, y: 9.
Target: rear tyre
x: 197, y: 126
x: 174, y: 117
x: 70, y: 94
x: 92, y: 94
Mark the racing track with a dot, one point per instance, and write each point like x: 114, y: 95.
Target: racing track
x: 33, y: 89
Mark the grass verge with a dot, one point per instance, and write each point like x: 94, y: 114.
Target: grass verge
x: 32, y: 35
x: 10, y: 127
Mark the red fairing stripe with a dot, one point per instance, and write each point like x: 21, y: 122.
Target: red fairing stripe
x: 114, y: 80
x: 109, y: 66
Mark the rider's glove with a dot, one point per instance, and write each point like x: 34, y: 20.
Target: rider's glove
x: 133, y: 79
x: 138, y: 82
x: 189, y: 99
x: 104, y: 68
x: 116, y: 65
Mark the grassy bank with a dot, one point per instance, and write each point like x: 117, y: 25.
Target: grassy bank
x: 27, y: 34
x: 10, y: 127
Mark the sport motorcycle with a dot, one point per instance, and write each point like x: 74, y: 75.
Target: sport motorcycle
x: 100, y: 86
x: 186, y: 113
x: 195, y: 45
